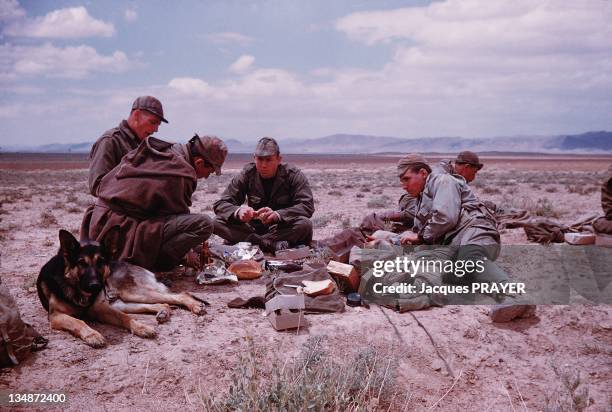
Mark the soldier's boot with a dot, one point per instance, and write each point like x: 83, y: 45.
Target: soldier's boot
x: 265, y: 244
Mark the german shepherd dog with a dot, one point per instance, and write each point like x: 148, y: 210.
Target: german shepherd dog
x: 83, y: 281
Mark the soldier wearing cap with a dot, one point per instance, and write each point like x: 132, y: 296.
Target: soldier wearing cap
x: 144, y: 120
x: 467, y: 164
x: 149, y: 196
x: 279, y: 203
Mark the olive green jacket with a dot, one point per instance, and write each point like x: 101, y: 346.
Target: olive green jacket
x: 108, y: 151
x: 606, y: 194
x: 290, y: 196
x: 449, y: 213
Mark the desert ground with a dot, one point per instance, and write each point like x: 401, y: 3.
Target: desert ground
x: 561, y: 358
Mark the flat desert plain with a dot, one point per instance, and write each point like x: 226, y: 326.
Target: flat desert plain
x: 559, y: 358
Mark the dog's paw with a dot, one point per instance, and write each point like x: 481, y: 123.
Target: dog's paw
x: 163, y: 315
x: 144, y: 331
x: 94, y: 339
x: 199, y: 309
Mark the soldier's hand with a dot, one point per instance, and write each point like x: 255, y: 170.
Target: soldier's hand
x: 409, y: 238
x: 268, y: 216
x: 246, y: 214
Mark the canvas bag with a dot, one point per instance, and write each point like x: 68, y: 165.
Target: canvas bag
x: 17, y: 338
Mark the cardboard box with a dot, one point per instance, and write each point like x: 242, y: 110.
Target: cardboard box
x: 286, y: 312
x: 346, y: 276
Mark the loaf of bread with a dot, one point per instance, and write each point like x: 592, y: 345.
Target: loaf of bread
x: 246, y: 269
x: 317, y: 288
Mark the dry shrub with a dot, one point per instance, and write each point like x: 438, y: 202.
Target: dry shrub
x: 359, y: 195
x: 346, y: 222
x: 71, y: 198
x: 491, y: 190
x: 379, y: 202
x: 334, y: 193
x: 314, y: 381
x: 571, y: 394
x: 551, y: 189
x: 72, y: 209
x: 539, y: 207
x: 47, y: 219
x: 581, y: 189
x: 323, y: 220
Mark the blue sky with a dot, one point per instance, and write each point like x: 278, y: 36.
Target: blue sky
x: 293, y: 69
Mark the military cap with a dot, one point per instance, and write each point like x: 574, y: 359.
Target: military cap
x: 151, y: 105
x: 409, y: 161
x: 469, y: 158
x: 211, y: 148
x: 266, y: 146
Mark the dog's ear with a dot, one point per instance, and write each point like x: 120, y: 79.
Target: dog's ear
x: 69, y: 246
x: 110, y: 243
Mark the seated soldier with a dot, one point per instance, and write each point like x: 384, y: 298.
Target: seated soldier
x: 279, y: 203
x: 467, y: 164
x: 604, y: 224
x: 148, y: 195
x: 448, y: 213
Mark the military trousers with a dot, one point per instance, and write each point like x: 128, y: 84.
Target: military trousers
x: 181, y: 233
x: 296, y: 231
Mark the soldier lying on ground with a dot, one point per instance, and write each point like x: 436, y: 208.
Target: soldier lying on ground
x: 279, y: 203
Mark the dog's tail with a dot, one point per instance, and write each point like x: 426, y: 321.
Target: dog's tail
x: 84, y: 230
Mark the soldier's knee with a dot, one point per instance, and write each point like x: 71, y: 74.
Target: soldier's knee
x: 303, y: 225
x: 201, y: 226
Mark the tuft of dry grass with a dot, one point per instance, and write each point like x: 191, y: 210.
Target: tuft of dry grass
x: 538, y: 207
x: 47, y: 219
x: 572, y: 392
x: 380, y: 202
x: 581, y: 189
x: 315, y: 381
x: 491, y: 190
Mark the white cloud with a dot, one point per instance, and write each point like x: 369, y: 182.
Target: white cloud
x: 226, y: 38
x: 242, y: 64
x: 190, y: 86
x: 458, y: 67
x: 455, y: 68
x: 130, y: 15
x: 521, y: 26
x: 51, y: 61
x: 11, y: 10
x: 72, y: 22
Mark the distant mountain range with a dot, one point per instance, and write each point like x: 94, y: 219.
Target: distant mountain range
x: 591, y: 142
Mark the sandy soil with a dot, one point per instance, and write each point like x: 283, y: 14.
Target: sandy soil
x: 499, y: 367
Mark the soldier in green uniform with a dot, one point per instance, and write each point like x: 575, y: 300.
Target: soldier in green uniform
x: 604, y: 224
x: 279, y: 203
x: 467, y: 164
x: 144, y: 120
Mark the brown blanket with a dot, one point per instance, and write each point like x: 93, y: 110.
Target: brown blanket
x: 151, y: 183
